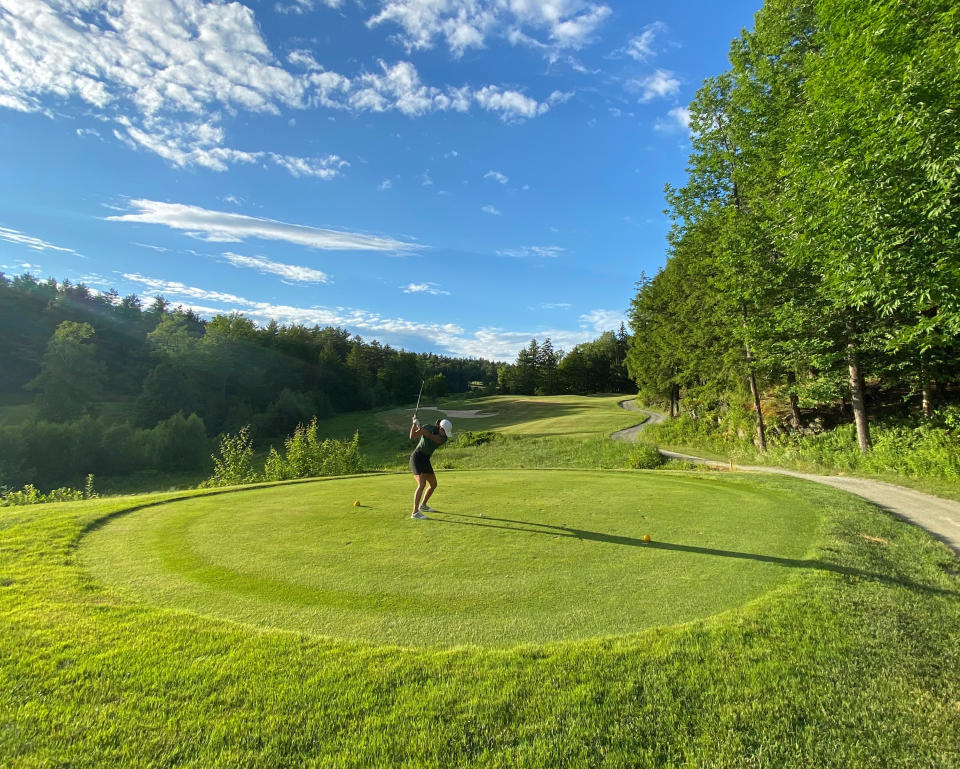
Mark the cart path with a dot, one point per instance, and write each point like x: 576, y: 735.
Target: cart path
x: 940, y: 517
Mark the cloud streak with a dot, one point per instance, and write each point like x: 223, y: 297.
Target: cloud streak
x: 289, y: 272
x: 35, y: 244
x: 226, y: 227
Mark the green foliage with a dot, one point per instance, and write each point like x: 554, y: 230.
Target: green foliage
x: 467, y: 438
x: 646, y: 457
x: 233, y: 464
x: 306, y: 455
x: 30, y: 495
x: 925, y: 450
x: 177, y: 443
x: 71, y: 377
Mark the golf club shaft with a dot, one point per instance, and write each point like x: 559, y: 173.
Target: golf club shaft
x: 418, y: 398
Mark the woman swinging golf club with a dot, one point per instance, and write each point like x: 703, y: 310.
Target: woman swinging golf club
x: 430, y: 437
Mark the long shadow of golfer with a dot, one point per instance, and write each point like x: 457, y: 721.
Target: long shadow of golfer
x: 615, y: 539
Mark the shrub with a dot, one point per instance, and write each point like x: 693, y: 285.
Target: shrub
x: 646, y: 457
x: 476, y: 438
x: 233, y: 466
x: 177, y: 443
x: 306, y: 456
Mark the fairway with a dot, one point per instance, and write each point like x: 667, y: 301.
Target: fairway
x: 556, y: 555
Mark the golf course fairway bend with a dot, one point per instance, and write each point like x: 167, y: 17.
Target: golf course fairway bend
x: 510, y: 557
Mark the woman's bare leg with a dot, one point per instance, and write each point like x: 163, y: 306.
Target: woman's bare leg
x: 421, y: 483
x: 431, y: 481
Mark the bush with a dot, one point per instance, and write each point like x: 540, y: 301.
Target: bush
x: 476, y: 438
x: 30, y: 495
x: 306, y: 456
x: 646, y: 457
x: 233, y: 466
x: 177, y: 443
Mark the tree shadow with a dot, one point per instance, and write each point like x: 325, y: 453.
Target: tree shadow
x: 532, y: 527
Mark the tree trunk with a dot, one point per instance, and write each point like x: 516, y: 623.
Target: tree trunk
x: 794, y: 403
x: 761, y: 432
x: 926, y: 390
x: 856, y: 390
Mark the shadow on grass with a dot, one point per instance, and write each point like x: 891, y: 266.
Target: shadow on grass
x: 615, y: 539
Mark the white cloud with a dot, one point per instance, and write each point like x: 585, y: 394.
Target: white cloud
x: 492, y: 210
x: 386, y: 184
x: 677, y: 119
x: 164, y: 72
x: 289, y: 272
x: 357, y: 320
x: 556, y: 306
x: 659, y: 85
x: 603, y: 320
x: 225, y: 227
x: 489, y: 342
x: 551, y: 26
x: 425, y: 288
x: 640, y: 47
x: 300, y: 7
x: 321, y: 168
x: 36, y: 244
x: 548, y: 252
x: 496, y: 176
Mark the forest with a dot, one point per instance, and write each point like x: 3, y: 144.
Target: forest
x: 813, y: 271
x: 95, y: 383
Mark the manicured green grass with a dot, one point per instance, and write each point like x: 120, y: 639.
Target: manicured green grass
x: 561, y: 419
x: 514, y: 556
x: 851, y: 662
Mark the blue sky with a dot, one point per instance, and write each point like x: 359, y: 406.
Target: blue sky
x: 452, y: 176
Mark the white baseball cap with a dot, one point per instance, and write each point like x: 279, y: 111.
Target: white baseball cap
x: 447, y: 427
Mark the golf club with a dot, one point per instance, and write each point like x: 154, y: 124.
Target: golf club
x: 418, y: 403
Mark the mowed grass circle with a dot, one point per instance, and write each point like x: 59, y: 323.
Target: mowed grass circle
x: 510, y: 557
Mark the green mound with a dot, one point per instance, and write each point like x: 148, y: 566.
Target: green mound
x: 510, y: 557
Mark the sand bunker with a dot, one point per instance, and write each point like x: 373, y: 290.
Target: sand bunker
x: 472, y: 414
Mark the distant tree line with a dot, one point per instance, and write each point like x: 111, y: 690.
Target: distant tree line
x: 90, y: 362
x: 815, y: 252
x: 591, y: 367
x: 113, y: 387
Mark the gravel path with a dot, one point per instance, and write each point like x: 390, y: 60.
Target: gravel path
x: 940, y: 517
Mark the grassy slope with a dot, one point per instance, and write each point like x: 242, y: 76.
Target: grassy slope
x: 852, y: 664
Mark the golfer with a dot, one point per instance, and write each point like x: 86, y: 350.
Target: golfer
x: 430, y: 437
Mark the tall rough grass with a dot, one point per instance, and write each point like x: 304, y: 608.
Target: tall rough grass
x: 927, y: 450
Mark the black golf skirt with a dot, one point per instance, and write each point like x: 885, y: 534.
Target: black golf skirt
x: 420, y: 463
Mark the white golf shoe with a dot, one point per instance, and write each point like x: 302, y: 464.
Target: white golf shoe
x: 426, y: 509
x: 418, y: 515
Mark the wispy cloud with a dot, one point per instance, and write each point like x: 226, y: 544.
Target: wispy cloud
x: 386, y: 184
x: 226, y: 227
x: 36, y: 244
x: 677, y: 119
x: 492, y: 343
x: 556, y: 306
x: 496, y: 176
x: 548, y: 252
x: 640, y: 47
x: 356, y: 320
x: 603, y: 320
x: 425, y: 288
x: 492, y: 210
x: 659, y: 85
x: 289, y: 272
